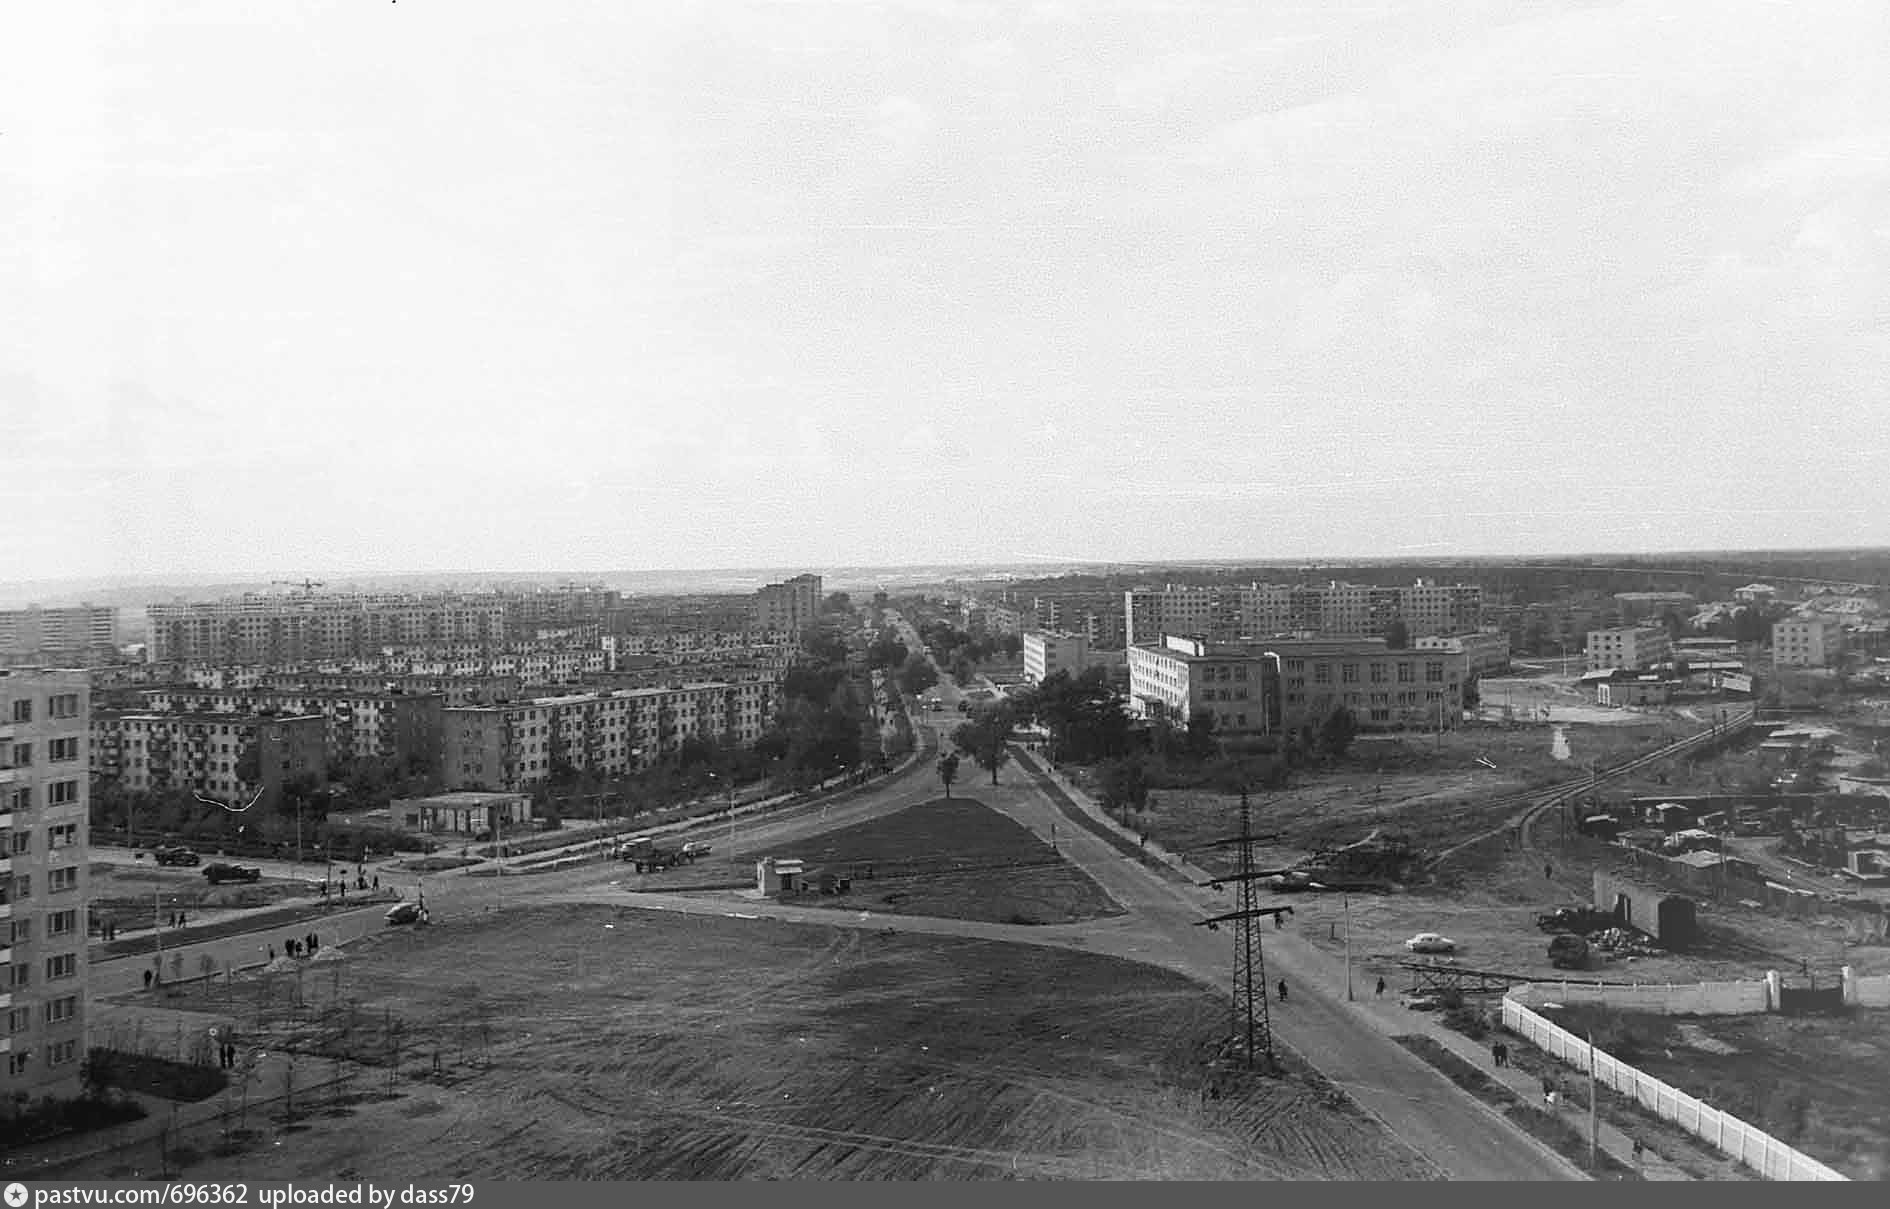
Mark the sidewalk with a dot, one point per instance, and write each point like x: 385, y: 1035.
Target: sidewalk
x: 1388, y: 1017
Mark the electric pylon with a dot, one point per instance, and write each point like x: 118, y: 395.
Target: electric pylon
x: 1252, y: 1022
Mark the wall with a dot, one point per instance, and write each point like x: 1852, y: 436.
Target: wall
x: 1754, y: 1148
x: 1669, y: 999
x: 1872, y: 991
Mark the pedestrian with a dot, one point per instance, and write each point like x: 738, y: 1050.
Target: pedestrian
x: 1145, y: 839
x: 1496, y: 1053
x: 147, y: 980
x: 272, y: 954
x: 1639, y: 1151
x: 377, y: 881
x: 1282, y: 988
x: 182, y: 919
x: 1381, y: 986
x: 1548, y: 870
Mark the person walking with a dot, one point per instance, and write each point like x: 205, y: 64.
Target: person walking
x: 1496, y: 1053
x: 377, y: 881
x: 1381, y: 986
x: 1282, y: 990
x: 272, y: 954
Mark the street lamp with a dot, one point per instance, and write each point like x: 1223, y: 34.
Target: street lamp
x: 1345, y: 898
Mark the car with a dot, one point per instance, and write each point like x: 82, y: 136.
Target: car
x: 406, y: 913
x: 219, y: 872
x: 696, y: 848
x: 1431, y: 942
x: 175, y: 855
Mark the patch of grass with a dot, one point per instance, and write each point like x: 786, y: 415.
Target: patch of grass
x: 1553, y: 1131
x: 150, y: 1075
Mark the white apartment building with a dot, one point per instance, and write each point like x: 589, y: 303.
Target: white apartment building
x: 76, y: 635
x: 512, y: 746
x: 1806, y: 642
x: 1186, y: 677
x: 44, y: 839
x: 1631, y: 647
x: 1046, y: 653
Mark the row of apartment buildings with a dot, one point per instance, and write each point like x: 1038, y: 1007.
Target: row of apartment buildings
x: 1796, y: 642
x: 1332, y: 610
x: 44, y: 803
x: 1268, y: 686
x: 58, y: 637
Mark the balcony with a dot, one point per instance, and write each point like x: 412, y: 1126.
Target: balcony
x: 6, y: 865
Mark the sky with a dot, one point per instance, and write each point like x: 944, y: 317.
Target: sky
x: 352, y: 287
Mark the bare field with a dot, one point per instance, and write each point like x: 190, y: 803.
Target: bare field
x: 607, y: 1043
x: 954, y: 858
x: 1813, y: 1082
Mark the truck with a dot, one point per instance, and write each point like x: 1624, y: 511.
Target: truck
x: 642, y: 852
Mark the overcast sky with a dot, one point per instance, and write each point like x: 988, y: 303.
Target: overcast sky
x: 368, y: 287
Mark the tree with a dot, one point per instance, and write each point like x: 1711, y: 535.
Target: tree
x: 916, y: 675
x: 1337, y: 732
x: 1398, y: 635
x: 1085, y: 719
x: 987, y: 739
x: 1200, y: 741
x: 948, y: 771
x: 1124, y: 783
x: 837, y: 602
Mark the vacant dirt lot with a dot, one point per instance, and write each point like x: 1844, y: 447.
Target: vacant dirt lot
x: 606, y: 1043
x: 952, y: 857
x: 1814, y: 1083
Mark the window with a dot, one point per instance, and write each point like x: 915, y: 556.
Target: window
x: 63, y: 836
x: 1407, y: 673
x: 22, y: 755
x: 22, y: 887
x: 23, y: 710
x: 58, y: 1011
x: 1349, y: 673
x: 62, y: 793
x: 19, y: 1020
x: 16, y: 1063
x: 1322, y: 673
x: 63, y: 879
x: 61, y: 923
x: 1378, y: 673
x: 1434, y: 671
x: 20, y: 975
x: 60, y: 1053
x: 22, y: 931
x: 21, y: 799
x: 21, y: 844
x: 64, y: 705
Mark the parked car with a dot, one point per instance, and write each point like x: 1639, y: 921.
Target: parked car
x: 219, y: 872
x: 695, y: 848
x: 175, y: 855
x: 1431, y: 942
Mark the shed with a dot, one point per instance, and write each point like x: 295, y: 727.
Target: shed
x: 1671, y: 816
x: 775, y: 875
x: 1668, y: 918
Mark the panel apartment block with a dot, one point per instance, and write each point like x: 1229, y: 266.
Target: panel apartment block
x: 44, y: 796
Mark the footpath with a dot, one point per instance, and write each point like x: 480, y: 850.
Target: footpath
x: 1390, y: 1018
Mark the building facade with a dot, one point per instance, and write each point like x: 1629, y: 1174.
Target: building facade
x: 515, y: 746
x: 60, y: 637
x: 44, y: 807
x: 1632, y: 648
x: 1806, y: 642
x: 401, y: 727
x: 1486, y: 651
x: 1258, y: 687
x: 788, y: 607
x: 1046, y: 653
x: 228, y: 757
x: 1332, y: 610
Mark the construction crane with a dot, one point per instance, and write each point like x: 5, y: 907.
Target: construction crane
x: 307, y: 585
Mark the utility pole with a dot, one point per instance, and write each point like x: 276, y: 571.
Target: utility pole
x: 1253, y: 1026
x: 1594, y: 1104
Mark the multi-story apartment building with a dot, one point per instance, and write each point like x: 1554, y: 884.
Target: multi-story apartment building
x: 680, y: 614
x: 1807, y: 642
x: 60, y: 637
x: 1046, y: 653
x: 1334, y: 610
x: 788, y: 607
x: 515, y: 746
x: 1255, y: 687
x: 1630, y: 647
x: 228, y: 757
x: 1010, y: 618
x: 44, y: 795
x: 454, y: 690
x: 405, y: 727
x: 1636, y: 606
x: 265, y: 628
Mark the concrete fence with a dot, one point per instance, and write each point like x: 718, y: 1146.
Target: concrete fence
x: 1749, y: 998
x: 1871, y: 991
x: 1754, y: 1148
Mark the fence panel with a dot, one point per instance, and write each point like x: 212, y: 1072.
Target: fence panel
x: 1762, y: 1152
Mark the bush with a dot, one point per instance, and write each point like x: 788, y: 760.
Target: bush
x: 52, y: 1118
x: 154, y: 1076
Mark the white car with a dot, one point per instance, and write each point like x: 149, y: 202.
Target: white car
x: 1431, y: 942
